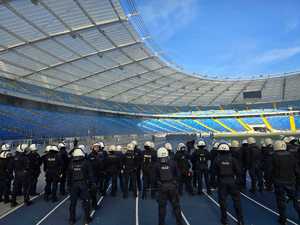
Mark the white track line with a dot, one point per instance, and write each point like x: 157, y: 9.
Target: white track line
x: 137, y: 209
x: 48, y: 214
x: 265, y: 207
x: 214, y: 201
x: 185, y: 219
x: 19, y: 206
x: 99, y: 201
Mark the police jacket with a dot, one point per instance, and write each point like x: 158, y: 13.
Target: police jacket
x: 200, y: 159
x: 52, y: 163
x: 148, y: 159
x: 95, y: 162
x: 64, y: 158
x: 5, y: 172
x: 246, y: 156
x: 35, y: 163
x: 129, y: 162
x: 21, y: 164
x: 182, y: 159
x: 80, y: 172
x: 255, y: 154
x: 267, y: 153
x: 293, y: 149
x: 113, y: 162
x: 226, y: 168
x: 284, y: 168
x: 213, y: 154
x: 237, y: 154
x: 166, y: 173
x: 139, y: 156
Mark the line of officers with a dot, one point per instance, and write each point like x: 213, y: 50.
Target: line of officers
x: 163, y: 174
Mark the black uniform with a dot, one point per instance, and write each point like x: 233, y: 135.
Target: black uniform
x: 228, y: 173
x: 149, y: 159
x: 167, y: 176
x: 113, y: 170
x: 200, y: 160
x: 65, y: 161
x: 139, y: 158
x: 129, y: 166
x: 285, y: 173
x: 213, y: 155
x: 102, y: 173
x: 266, y: 165
x: 5, y: 178
x: 53, y: 167
x: 95, y: 164
x: 245, y: 163
x: 80, y: 179
x: 183, y: 161
x: 21, y: 169
x: 255, y: 163
x: 35, y: 170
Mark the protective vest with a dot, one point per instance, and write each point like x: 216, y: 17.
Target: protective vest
x: 19, y: 163
x: 147, y: 159
x: 3, y: 169
x: 129, y: 161
x: 165, y: 173
x: 226, y: 167
x: 51, y: 162
x: 77, y: 172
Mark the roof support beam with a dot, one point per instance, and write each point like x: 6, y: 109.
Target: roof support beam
x: 122, y: 80
x: 81, y: 29
x: 156, y: 89
x: 78, y: 59
x: 103, y: 71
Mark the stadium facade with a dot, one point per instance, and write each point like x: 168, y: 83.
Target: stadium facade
x: 88, y: 68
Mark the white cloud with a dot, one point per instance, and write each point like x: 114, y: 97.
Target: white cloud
x: 277, y: 55
x: 166, y: 17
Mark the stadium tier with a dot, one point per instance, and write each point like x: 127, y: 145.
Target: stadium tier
x: 39, y: 120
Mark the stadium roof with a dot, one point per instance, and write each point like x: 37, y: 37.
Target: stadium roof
x: 91, y: 48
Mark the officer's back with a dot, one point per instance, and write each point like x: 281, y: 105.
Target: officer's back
x: 284, y: 167
x: 200, y: 159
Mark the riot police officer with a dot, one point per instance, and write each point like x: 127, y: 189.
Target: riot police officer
x: 255, y: 162
x: 245, y: 162
x: 5, y: 174
x: 64, y: 160
x: 228, y: 174
x: 166, y: 177
x: 35, y: 167
x: 102, y: 175
x: 113, y: 168
x: 53, y: 167
x: 21, y: 169
x: 120, y: 154
x: 129, y: 167
x: 285, y: 173
x: 236, y: 152
x: 94, y: 160
x: 139, y: 159
x: 200, y: 160
x: 267, y: 161
x: 80, y: 179
x: 213, y: 155
x: 292, y: 147
x: 182, y: 159
x: 149, y: 159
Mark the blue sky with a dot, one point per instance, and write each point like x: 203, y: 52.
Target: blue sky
x: 228, y: 38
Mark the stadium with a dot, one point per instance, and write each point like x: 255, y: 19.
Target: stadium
x: 85, y: 70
